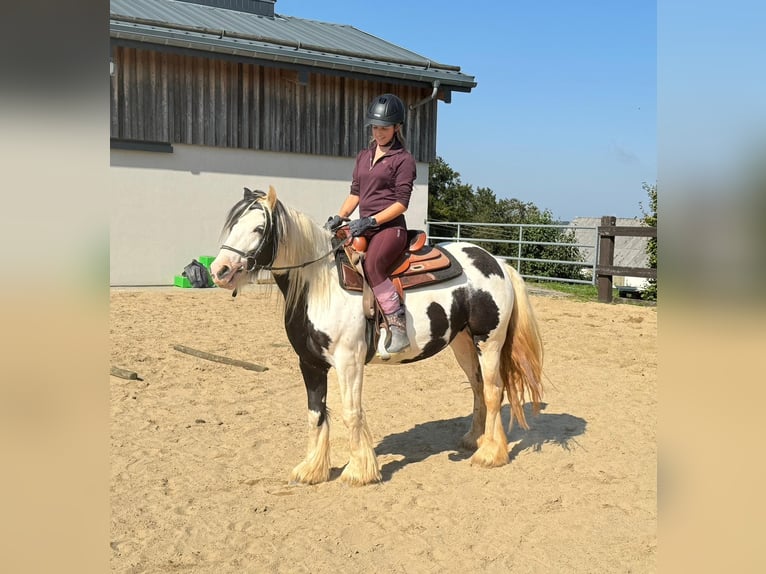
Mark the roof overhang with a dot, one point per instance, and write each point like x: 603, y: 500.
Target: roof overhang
x: 161, y: 36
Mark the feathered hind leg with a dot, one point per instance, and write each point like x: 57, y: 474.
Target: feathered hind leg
x: 493, y: 444
x: 516, y: 368
x: 316, y: 466
x: 468, y: 359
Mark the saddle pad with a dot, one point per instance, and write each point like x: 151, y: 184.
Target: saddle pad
x: 429, y: 265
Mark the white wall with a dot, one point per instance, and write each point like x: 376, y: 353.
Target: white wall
x: 168, y: 208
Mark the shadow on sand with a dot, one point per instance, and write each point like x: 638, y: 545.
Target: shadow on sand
x: 433, y: 437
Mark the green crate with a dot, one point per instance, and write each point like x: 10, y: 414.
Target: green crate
x: 181, y: 281
x: 206, y: 260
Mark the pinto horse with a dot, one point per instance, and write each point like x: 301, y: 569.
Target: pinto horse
x: 484, y: 315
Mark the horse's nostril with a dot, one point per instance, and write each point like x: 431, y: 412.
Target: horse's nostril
x: 223, y: 272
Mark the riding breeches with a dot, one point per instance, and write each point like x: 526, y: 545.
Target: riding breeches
x: 383, y: 249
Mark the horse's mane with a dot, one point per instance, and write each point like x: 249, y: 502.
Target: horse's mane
x: 300, y: 239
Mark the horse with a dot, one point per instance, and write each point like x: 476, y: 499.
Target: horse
x: 484, y: 315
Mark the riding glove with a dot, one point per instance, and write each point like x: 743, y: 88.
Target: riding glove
x: 359, y: 226
x: 334, y: 222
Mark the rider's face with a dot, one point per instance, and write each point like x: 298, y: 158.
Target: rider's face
x: 383, y: 134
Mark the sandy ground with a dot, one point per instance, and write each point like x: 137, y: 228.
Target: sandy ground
x: 201, y: 452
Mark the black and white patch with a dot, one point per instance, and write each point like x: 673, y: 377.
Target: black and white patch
x: 483, y: 261
x: 439, y: 323
x: 310, y: 344
x: 475, y: 310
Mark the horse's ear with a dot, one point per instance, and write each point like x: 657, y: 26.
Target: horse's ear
x: 271, y: 197
x: 249, y: 194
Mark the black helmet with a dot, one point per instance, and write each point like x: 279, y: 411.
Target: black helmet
x: 385, y: 110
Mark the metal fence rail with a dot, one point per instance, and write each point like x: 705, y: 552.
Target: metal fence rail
x: 513, y: 234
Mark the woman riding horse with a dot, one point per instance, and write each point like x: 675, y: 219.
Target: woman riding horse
x: 381, y: 188
x: 483, y: 313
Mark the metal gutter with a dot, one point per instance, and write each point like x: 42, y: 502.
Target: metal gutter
x: 427, y: 98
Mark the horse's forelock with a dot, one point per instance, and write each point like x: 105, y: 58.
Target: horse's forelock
x: 239, y: 208
x: 234, y: 214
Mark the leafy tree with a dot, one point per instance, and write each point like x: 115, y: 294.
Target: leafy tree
x: 452, y: 200
x: 650, y: 220
x: 485, y: 206
x: 449, y: 199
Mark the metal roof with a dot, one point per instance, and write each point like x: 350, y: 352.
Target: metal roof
x: 282, y: 39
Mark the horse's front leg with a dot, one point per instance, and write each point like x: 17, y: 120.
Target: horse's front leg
x: 316, y: 466
x: 362, y: 467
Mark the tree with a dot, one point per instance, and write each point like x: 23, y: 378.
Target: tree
x: 485, y: 206
x: 650, y: 220
x: 449, y: 199
x: 452, y: 200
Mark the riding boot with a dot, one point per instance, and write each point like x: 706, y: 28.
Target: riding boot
x: 397, y: 323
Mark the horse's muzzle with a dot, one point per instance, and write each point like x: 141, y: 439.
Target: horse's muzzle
x: 224, y: 275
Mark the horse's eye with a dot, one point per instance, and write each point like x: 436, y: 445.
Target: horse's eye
x: 260, y: 229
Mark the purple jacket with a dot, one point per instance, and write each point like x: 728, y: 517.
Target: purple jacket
x: 388, y: 181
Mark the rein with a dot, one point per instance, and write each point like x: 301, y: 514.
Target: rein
x: 251, y: 255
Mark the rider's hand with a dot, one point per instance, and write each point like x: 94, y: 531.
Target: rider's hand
x: 334, y: 222
x: 359, y: 226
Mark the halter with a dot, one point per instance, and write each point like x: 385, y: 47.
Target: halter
x: 250, y: 256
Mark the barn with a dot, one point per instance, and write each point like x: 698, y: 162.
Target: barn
x: 210, y: 96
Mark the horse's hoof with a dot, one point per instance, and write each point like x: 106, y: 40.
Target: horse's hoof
x: 355, y: 479
x: 300, y: 476
x: 489, y: 457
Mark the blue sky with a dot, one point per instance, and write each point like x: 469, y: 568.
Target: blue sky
x: 564, y: 114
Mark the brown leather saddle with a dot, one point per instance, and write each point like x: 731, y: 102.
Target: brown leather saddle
x: 419, y: 265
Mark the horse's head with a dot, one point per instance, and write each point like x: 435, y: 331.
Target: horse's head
x: 249, y: 239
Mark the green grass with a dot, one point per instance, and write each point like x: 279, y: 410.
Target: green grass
x: 579, y: 291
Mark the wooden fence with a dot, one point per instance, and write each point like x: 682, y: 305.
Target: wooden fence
x: 605, y: 269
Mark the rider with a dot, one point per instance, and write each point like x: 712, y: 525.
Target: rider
x: 381, y: 187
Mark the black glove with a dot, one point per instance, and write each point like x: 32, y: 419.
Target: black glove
x: 359, y: 226
x: 334, y: 222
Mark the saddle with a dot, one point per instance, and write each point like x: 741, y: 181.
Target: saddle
x: 419, y: 265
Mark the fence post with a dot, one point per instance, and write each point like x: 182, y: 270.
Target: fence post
x: 606, y: 259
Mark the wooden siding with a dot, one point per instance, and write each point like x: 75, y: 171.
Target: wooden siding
x: 176, y: 98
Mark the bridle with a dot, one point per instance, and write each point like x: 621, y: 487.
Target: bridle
x: 251, y: 256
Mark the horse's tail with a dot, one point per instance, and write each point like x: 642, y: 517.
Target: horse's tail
x: 521, y: 360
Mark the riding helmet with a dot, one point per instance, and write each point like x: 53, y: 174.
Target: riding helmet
x: 385, y: 110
